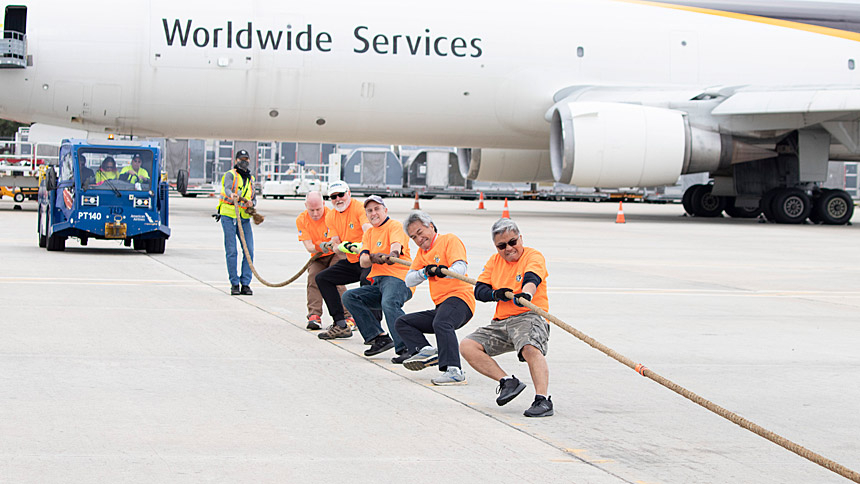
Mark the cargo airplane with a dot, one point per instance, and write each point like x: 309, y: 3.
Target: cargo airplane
x: 606, y: 93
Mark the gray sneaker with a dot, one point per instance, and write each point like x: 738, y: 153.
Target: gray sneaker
x: 334, y: 332
x: 452, y: 376
x: 428, y: 356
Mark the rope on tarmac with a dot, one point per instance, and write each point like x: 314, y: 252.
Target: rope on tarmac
x: 648, y: 373
x: 254, y: 269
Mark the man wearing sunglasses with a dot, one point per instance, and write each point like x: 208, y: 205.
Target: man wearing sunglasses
x: 346, y: 225
x: 314, y: 234
x: 135, y: 172
x: 521, y: 271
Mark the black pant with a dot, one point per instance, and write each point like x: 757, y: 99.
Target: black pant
x: 340, y: 274
x: 452, y: 314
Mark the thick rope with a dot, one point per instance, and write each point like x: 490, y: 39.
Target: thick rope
x: 254, y: 269
x: 648, y: 373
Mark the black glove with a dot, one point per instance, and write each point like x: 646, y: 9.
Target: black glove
x: 435, y: 270
x: 523, y: 295
x: 377, y: 258
x: 499, y: 294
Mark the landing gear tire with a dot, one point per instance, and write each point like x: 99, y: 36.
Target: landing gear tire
x: 791, y: 206
x: 705, y: 204
x: 766, y: 204
x: 155, y: 246
x: 687, y: 199
x: 734, y: 211
x: 833, y: 207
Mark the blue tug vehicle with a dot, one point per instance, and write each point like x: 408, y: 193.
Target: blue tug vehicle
x: 104, y: 191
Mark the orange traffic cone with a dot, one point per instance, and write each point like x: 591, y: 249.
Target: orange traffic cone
x: 619, y: 219
x: 415, y: 205
x: 481, y: 201
x: 505, y: 213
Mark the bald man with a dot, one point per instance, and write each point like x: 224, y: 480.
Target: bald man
x: 314, y: 234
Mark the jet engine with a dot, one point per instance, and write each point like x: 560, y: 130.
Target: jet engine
x: 504, y: 165
x: 612, y: 145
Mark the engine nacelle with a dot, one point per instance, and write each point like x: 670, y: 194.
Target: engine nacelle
x: 505, y: 165
x: 598, y: 144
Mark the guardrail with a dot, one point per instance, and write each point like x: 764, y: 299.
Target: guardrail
x: 13, y: 50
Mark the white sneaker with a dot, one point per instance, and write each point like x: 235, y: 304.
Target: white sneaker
x: 452, y: 376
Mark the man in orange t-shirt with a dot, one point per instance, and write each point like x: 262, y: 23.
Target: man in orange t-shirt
x: 313, y: 233
x: 346, y: 225
x: 387, y: 291
x: 519, y: 271
x: 454, y: 299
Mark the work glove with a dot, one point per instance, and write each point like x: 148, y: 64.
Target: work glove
x: 523, y: 295
x: 435, y: 270
x: 350, y: 247
x: 500, y: 294
x: 395, y: 254
x: 378, y: 258
x: 326, y: 247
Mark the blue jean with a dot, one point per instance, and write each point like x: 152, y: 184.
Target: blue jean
x: 387, y: 293
x: 232, y: 244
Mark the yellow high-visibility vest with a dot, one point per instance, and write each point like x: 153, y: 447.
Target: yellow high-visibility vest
x: 225, y: 205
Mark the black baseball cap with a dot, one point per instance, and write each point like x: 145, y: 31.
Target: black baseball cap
x: 242, y: 154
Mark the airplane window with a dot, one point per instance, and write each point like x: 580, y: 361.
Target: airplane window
x: 851, y: 64
x: 580, y: 51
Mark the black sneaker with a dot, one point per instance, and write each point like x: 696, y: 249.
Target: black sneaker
x: 542, y: 407
x: 379, y: 344
x: 234, y: 290
x: 246, y: 291
x: 508, y: 389
x: 401, y: 357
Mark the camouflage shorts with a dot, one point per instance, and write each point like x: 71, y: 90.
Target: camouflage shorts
x: 511, y: 334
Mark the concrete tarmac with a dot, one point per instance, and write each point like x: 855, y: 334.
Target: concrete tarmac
x: 118, y: 366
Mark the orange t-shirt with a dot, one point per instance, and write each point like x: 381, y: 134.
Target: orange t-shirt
x: 446, y: 250
x: 500, y: 273
x: 379, y: 240
x: 347, y: 224
x: 314, y: 230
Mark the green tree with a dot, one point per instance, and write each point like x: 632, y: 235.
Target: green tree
x: 9, y: 128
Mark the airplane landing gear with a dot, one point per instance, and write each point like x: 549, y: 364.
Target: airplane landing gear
x: 832, y: 207
x: 785, y: 205
x: 699, y: 201
x: 791, y: 206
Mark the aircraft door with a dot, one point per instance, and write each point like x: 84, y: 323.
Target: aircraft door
x: 13, y: 45
x: 15, y: 21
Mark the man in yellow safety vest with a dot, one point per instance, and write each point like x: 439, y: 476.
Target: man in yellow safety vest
x: 237, y: 194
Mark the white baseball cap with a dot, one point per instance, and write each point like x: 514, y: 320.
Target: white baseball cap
x: 339, y: 186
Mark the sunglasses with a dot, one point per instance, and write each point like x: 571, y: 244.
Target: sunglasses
x: 337, y: 195
x: 513, y: 243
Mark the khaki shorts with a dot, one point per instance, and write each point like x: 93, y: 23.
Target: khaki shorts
x: 511, y: 334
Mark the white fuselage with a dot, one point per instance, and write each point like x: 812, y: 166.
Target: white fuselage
x: 477, y: 73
